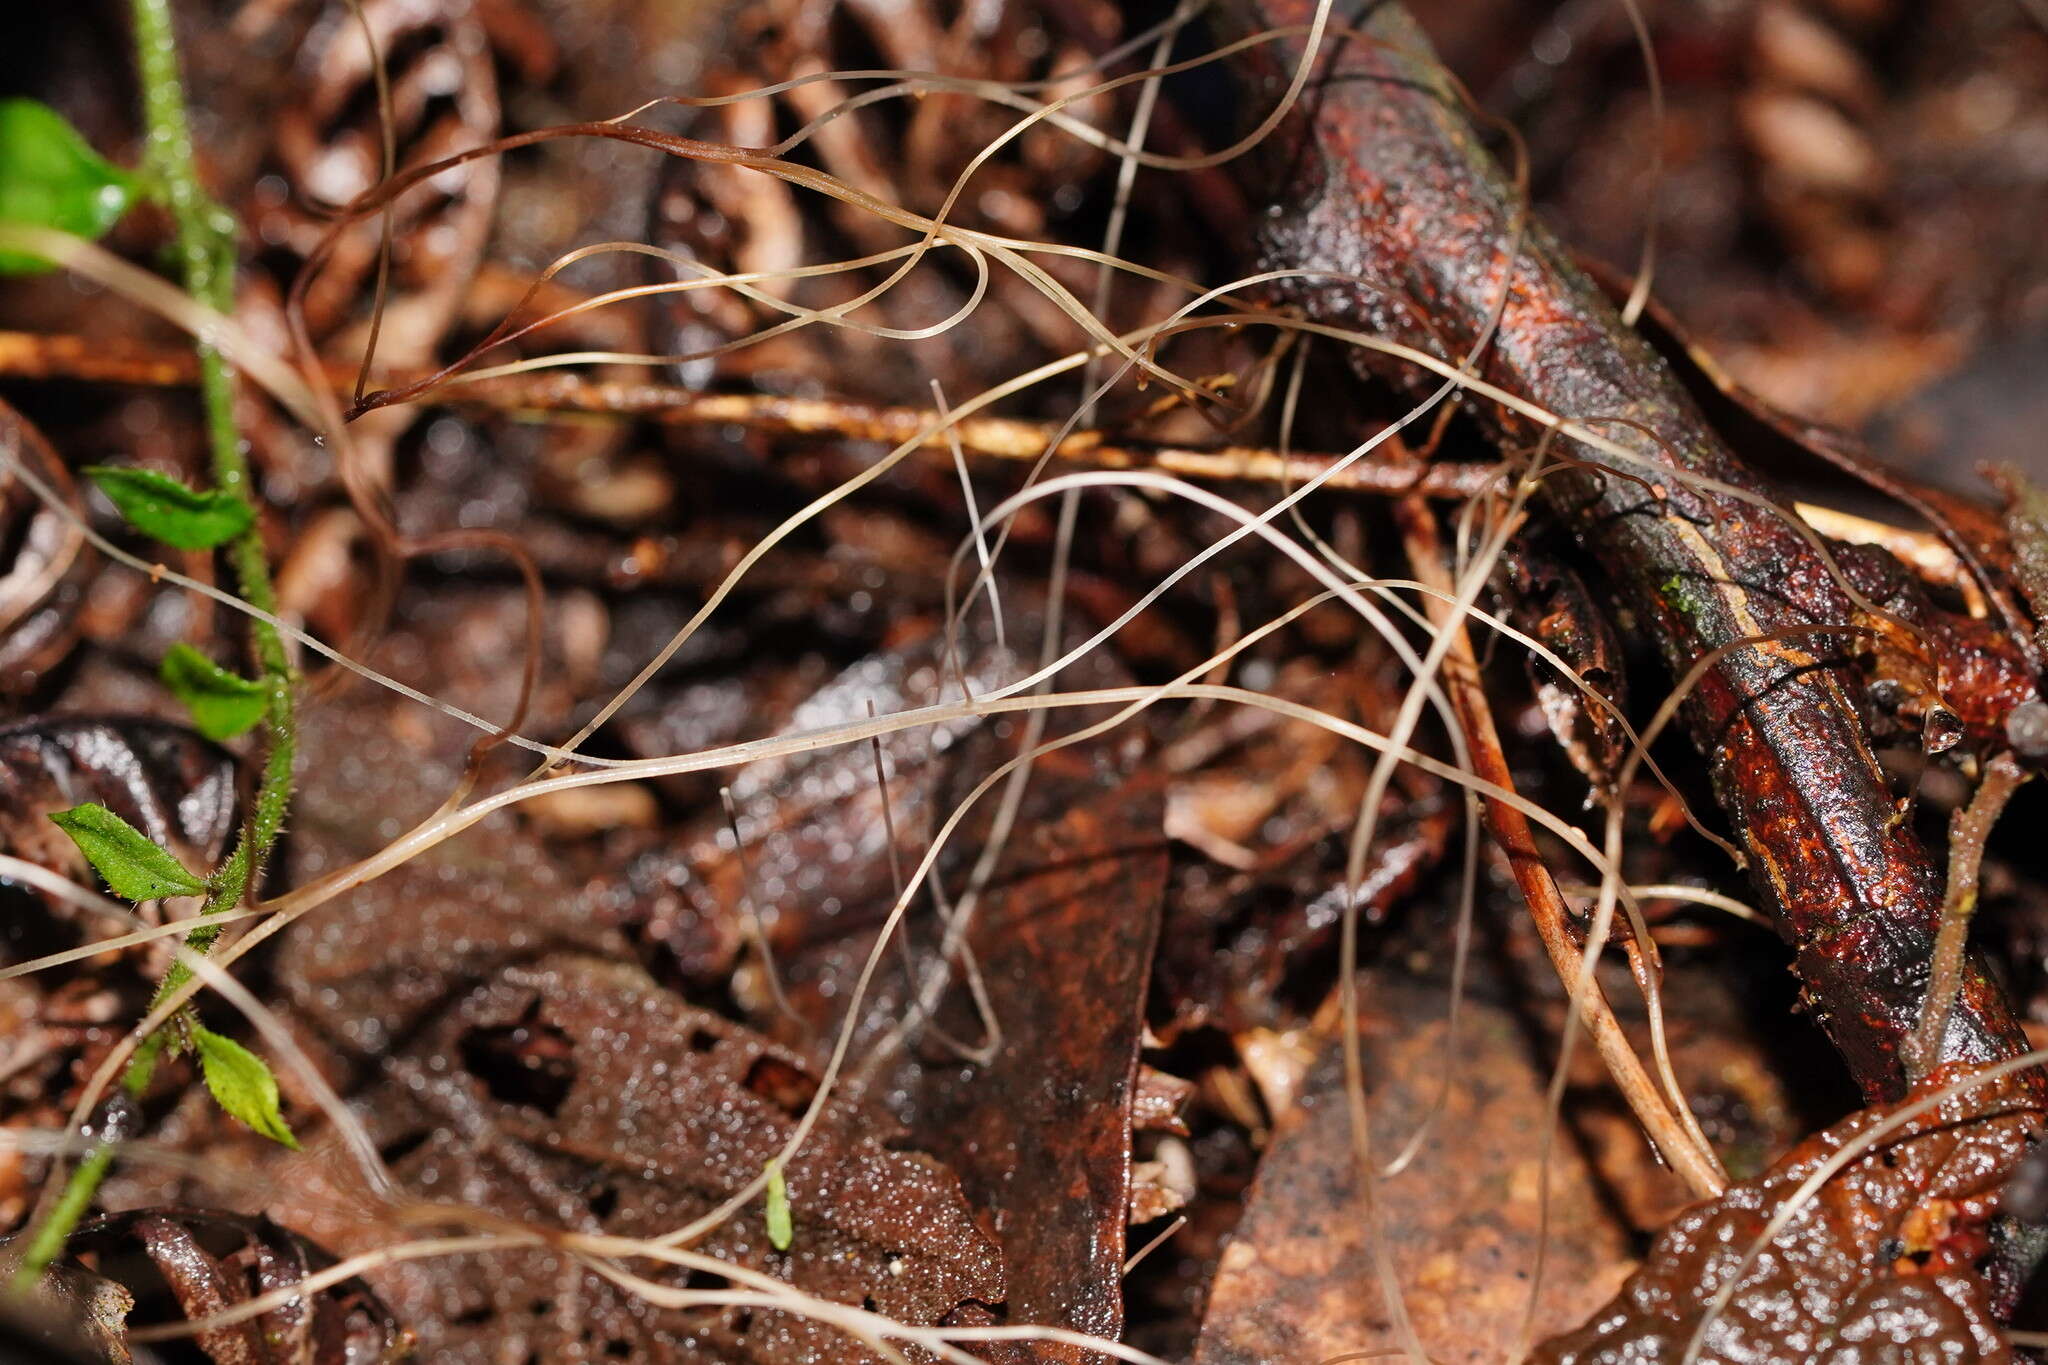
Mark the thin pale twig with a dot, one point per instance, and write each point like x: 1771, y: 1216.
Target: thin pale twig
x: 30, y: 355
x: 1968, y: 830
x: 1696, y: 1165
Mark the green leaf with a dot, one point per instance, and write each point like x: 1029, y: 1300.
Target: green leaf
x: 781, y: 1228
x: 158, y: 505
x: 242, y: 1083
x: 51, y: 177
x: 222, y: 704
x: 137, y: 869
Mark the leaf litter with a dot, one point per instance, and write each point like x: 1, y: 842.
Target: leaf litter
x: 857, y: 1066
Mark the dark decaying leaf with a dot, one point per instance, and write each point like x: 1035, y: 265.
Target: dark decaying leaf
x: 500, y: 1063
x: 369, y: 968
x: 1279, y: 800
x: 575, y: 1092
x: 175, y: 789
x: 183, y: 1264
x: 1041, y: 1136
x: 1063, y: 940
x: 820, y: 811
x: 817, y: 864
x: 1884, y: 1264
x: 1300, y: 1281
x: 1546, y: 598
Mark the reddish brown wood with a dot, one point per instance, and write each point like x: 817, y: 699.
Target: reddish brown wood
x: 1383, y: 179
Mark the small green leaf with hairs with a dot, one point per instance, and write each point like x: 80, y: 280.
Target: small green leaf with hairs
x: 137, y: 869
x: 781, y: 1228
x: 242, y: 1083
x: 158, y: 505
x: 222, y: 704
x: 51, y: 177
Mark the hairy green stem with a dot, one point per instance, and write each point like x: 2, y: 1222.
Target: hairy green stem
x: 205, y: 248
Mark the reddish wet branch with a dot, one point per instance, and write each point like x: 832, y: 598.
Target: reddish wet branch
x: 1384, y: 179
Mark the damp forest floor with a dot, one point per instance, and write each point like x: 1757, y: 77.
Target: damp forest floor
x: 803, y: 846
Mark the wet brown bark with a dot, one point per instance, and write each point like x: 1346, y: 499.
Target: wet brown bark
x: 1382, y: 178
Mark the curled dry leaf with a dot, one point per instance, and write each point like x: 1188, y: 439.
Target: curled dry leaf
x: 72, y: 1317
x: 327, y: 143
x: 184, y: 1264
x: 177, y: 789
x: 1885, y: 1263
x: 1159, y: 1103
x: 44, y: 562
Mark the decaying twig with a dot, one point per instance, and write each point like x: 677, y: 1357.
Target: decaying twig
x: 1388, y: 184
x: 1968, y: 830
x: 35, y: 356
